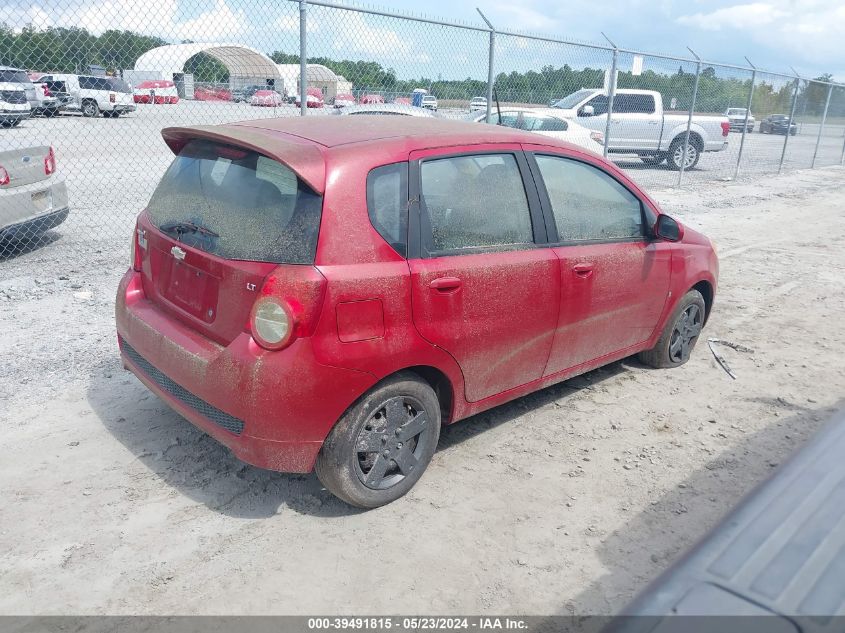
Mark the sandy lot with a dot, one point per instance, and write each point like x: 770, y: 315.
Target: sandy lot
x: 566, y: 501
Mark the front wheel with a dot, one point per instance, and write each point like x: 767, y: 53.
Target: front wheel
x: 382, y: 445
x: 680, y: 335
x: 677, y: 157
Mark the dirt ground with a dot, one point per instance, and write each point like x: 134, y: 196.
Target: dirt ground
x: 566, y: 501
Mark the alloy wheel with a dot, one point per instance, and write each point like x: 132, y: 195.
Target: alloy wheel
x: 687, y: 328
x: 691, y: 155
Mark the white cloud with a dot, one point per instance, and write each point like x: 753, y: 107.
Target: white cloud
x: 811, y: 30
x: 218, y: 23
x: 356, y: 35
x: 158, y: 18
x: 744, y: 15
x: 290, y: 24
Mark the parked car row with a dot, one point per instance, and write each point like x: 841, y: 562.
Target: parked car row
x: 23, y: 95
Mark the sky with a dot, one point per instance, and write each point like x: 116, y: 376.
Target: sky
x: 774, y: 34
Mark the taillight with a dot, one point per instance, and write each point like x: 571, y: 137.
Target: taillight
x: 288, y: 306
x: 112, y: 97
x: 50, y: 162
x: 598, y: 137
x: 4, y: 177
x: 726, y: 128
x: 136, y: 244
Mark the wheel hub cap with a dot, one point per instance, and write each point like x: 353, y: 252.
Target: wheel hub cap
x: 391, y: 442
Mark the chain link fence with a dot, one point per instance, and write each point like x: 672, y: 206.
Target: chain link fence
x: 85, y: 90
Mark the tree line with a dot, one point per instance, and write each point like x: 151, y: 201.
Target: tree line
x: 61, y: 49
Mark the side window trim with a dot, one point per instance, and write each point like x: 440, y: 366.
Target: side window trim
x: 548, y: 213
x: 539, y: 224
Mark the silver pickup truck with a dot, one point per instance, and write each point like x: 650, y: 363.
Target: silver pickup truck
x: 639, y: 126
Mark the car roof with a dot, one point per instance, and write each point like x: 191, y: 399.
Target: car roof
x: 301, y: 142
x: 384, y: 108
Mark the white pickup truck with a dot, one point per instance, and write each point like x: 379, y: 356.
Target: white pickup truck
x: 639, y: 126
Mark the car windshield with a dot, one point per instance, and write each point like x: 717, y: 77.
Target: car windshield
x: 573, y: 100
x: 736, y: 111
x: 14, y: 76
x: 237, y: 204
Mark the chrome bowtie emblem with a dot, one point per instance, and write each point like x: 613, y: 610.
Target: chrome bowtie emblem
x: 177, y: 252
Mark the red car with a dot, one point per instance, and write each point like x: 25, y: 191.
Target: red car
x: 313, y: 98
x: 326, y: 292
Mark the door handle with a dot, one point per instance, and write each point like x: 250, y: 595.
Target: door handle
x: 583, y: 270
x: 446, y: 285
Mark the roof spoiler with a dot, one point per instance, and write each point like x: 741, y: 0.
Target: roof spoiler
x: 302, y: 157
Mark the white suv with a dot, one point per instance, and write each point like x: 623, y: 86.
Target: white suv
x: 91, y: 95
x: 39, y: 101
x: 14, y: 106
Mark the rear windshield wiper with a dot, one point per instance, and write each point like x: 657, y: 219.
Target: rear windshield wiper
x: 180, y: 228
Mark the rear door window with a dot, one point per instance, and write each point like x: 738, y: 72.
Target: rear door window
x: 474, y: 201
x: 237, y: 204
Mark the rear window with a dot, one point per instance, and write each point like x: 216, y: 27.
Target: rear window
x: 14, y: 76
x: 237, y: 204
x: 118, y: 85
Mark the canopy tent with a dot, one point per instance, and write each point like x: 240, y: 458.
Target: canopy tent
x: 245, y: 65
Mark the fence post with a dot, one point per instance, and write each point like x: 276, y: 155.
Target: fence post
x: 791, y: 122
x: 821, y: 127
x: 489, y: 64
x: 747, y: 114
x: 303, y: 78
x: 611, y: 94
x: 689, y: 117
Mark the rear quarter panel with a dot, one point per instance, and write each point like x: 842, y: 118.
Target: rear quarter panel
x: 361, y: 268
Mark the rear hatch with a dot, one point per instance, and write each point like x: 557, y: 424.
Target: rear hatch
x: 221, y: 219
x: 122, y: 92
x: 25, y: 166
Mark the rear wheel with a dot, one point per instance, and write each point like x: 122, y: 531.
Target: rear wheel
x: 682, y: 330
x: 676, y: 156
x: 90, y: 108
x: 380, y: 447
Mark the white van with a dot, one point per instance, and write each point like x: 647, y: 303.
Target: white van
x: 91, y: 96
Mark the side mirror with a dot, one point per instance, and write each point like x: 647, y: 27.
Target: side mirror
x: 667, y: 228
x: 587, y: 110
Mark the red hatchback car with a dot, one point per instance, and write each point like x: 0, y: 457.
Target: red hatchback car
x: 324, y: 293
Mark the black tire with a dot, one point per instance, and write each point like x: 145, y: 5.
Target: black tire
x: 675, y: 155
x: 682, y: 331
x: 654, y: 159
x: 90, y: 108
x: 16, y: 122
x: 400, y: 419
x: 111, y: 115
x: 6, y: 123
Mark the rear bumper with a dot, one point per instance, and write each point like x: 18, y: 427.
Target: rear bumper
x: 271, y: 409
x: 35, y: 226
x: 21, y: 207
